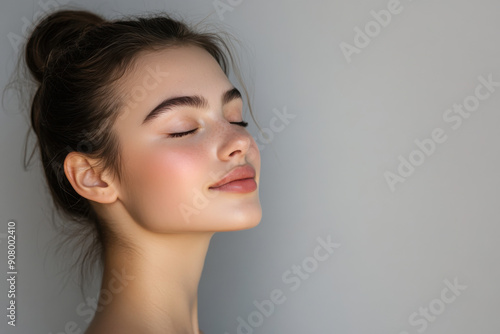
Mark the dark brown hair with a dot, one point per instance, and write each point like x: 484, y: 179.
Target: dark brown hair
x: 75, y: 57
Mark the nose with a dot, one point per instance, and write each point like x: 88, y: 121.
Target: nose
x: 236, y: 143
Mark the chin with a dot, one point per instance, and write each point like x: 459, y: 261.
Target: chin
x: 247, y: 222
x: 238, y: 220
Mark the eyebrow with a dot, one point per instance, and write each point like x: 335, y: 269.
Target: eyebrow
x: 194, y: 101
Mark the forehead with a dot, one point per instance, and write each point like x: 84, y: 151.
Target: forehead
x: 173, y: 69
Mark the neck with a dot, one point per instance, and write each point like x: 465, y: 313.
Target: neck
x: 156, y: 283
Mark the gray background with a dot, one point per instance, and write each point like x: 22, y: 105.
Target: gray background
x: 322, y: 174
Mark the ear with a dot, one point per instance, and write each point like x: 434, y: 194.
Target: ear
x: 88, y: 180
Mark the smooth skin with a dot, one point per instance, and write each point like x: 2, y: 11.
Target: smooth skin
x: 163, y: 213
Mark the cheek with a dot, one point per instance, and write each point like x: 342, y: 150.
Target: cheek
x: 163, y: 181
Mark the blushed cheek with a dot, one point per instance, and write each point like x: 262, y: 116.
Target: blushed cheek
x: 169, y: 180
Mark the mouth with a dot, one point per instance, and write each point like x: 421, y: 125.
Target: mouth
x: 239, y: 179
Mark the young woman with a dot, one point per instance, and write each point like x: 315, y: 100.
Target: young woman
x: 144, y: 147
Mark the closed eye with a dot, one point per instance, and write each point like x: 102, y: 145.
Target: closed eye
x: 181, y: 134
x: 242, y: 123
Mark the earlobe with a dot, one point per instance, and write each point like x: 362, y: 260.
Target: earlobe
x: 87, y: 179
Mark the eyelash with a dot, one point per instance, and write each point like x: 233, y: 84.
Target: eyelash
x: 182, y: 134
x: 242, y: 123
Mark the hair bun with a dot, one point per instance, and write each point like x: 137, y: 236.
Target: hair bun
x: 56, y: 32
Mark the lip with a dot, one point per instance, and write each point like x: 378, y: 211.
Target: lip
x: 238, y: 173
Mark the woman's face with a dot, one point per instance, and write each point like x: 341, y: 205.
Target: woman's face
x: 189, y: 142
